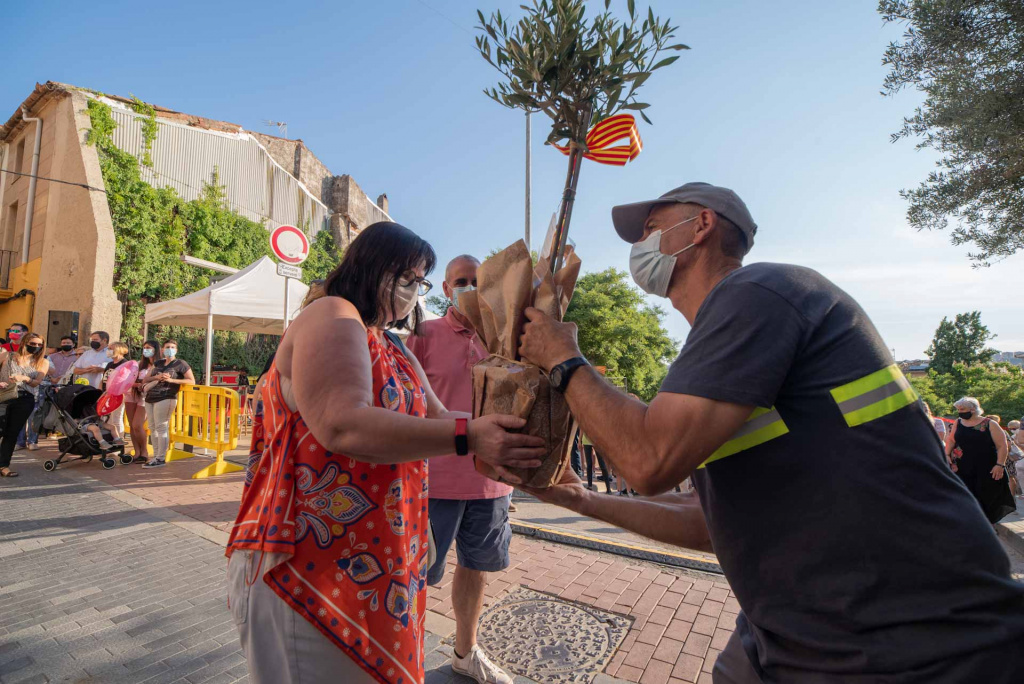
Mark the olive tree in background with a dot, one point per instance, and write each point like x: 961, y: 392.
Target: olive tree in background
x: 967, y: 57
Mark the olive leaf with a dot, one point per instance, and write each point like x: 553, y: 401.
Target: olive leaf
x: 554, y: 60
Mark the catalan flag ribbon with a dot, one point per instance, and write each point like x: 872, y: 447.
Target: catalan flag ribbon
x: 603, y: 135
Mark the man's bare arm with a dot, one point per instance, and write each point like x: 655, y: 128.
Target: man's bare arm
x: 672, y: 518
x: 656, y: 446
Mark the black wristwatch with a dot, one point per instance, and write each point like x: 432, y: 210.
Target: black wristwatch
x: 561, y: 373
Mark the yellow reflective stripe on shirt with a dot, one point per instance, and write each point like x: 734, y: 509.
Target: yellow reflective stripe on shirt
x: 762, y: 425
x: 874, y: 396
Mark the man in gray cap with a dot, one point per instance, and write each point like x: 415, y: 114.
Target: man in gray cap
x: 853, y: 551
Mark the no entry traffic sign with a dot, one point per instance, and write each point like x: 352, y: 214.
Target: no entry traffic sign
x: 289, y: 244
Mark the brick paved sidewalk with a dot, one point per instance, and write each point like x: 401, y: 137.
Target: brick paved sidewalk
x: 682, y: 619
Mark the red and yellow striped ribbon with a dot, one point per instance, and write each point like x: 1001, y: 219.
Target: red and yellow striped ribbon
x: 603, y: 135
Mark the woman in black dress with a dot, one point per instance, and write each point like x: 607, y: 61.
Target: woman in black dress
x: 981, y: 467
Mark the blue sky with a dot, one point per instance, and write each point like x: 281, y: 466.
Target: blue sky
x: 779, y: 101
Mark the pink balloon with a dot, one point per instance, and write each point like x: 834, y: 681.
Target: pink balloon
x: 122, y: 379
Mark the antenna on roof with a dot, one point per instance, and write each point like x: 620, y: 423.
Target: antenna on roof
x: 282, y: 126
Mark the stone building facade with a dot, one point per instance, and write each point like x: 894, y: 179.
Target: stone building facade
x: 60, y: 257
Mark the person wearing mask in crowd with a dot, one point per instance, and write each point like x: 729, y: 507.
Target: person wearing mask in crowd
x: 335, y: 582
x: 63, y: 359
x: 466, y: 508
x: 26, y: 368
x: 1014, y: 456
x: 855, y: 554
x: 1018, y: 466
x: 117, y: 353
x: 14, y: 335
x: 982, y: 466
x: 134, y: 402
x: 91, y: 363
x: 161, y: 397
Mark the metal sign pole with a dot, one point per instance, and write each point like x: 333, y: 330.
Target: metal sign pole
x: 286, y: 305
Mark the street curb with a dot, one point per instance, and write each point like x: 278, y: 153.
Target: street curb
x: 660, y: 556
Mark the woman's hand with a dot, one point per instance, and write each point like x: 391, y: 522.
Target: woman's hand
x: 3, y: 385
x: 567, y: 493
x: 18, y: 377
x: 491, y: 441
x: 997, y: 472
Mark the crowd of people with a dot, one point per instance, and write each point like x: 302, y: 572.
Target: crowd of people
x: 855, y: 551
x: 27, y: 365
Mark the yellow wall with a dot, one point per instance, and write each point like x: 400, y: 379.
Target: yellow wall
x: 20, y: 310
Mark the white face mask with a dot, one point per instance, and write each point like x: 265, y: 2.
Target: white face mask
x: 406, y: 298
x: 456, y: 291
x: 651, y: 269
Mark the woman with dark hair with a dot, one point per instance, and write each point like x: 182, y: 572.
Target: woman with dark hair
x: 328, y: 556
x: 25, y: 369
x: 135, y: 406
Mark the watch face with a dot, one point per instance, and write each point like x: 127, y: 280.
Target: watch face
x: 556, y: 377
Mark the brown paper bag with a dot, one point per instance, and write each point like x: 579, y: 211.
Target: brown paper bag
x: 507, y: 284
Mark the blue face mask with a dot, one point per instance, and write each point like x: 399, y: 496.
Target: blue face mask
x: 650, y: 268
x: 148, y: 352
x: 170, y: 352
x: 456, y: 291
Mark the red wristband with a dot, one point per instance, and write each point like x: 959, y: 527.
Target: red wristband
x: 461, y: 436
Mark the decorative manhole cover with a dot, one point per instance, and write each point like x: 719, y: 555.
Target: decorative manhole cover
x: 551, y: 640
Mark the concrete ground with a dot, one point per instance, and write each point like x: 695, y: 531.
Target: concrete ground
x: 118, y: 576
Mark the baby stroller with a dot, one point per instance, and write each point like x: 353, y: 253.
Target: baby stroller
x: 66, y: 409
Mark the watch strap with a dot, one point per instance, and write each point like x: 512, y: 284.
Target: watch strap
x: 566, y: 370
x: 461, y: 436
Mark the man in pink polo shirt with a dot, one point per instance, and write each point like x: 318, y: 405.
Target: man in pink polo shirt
x: 465, y: 506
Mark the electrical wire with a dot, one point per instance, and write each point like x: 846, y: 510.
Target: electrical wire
x: 442, y: 14
x: 55, y: 180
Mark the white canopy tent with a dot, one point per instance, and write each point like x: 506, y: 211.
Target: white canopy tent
x: 252, y: 301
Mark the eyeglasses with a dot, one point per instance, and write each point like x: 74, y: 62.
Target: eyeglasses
x: 424, y: 285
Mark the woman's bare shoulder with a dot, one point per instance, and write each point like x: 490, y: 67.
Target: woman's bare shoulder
x: 329, y: 308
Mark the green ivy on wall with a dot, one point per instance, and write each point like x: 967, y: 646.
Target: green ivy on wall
x: 153, y: 227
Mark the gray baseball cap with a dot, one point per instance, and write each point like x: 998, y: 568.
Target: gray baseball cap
x: 629, y: 219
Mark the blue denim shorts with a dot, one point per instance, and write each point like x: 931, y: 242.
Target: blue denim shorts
x: 480, y: 529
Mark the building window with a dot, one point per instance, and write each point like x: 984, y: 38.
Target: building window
x: 7, y: 230
x: 19, y: 159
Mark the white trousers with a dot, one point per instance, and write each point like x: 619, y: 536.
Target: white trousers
x: 159, y: 417
x: 281, y: 647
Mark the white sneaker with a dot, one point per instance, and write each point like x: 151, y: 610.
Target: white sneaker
x: 477, y: 665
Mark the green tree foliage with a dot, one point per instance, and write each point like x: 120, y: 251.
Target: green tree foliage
x: 154, y: 226
x: 998, y: 387
x: 618, y: 329
x: 438, y: 304
x: 967, y: 57
x: 961, y: 340
x: 324, y: 256
x: 554, y: 61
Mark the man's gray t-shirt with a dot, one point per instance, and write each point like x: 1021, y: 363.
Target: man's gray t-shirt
x: 854, y: 552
